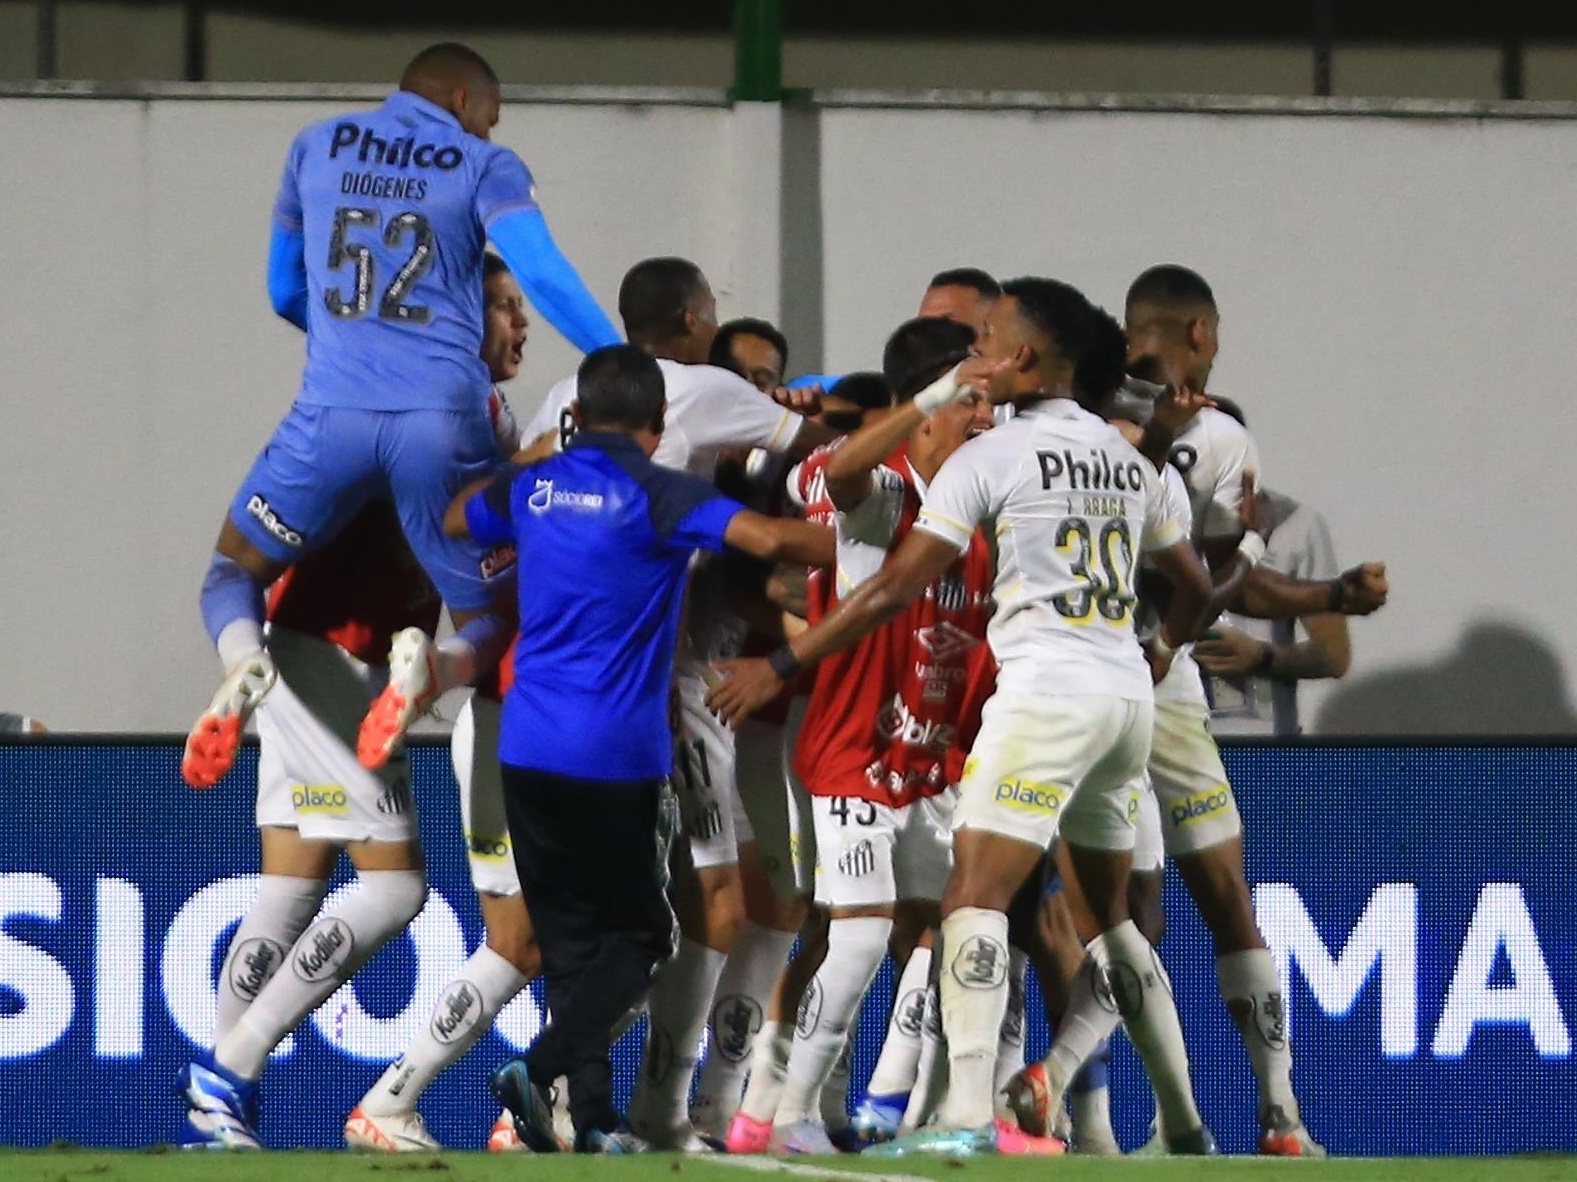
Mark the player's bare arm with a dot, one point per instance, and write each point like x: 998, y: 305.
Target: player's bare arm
x: 1360, y: 591
x: 1327, y: 652
x: 749, y: 684
x: 781, y: 539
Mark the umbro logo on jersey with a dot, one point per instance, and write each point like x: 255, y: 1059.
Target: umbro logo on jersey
x: 945, y: 641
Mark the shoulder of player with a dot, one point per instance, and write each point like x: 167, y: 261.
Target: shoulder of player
x: 689, y: 381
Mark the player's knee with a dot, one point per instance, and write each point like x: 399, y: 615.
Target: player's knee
x: 512, y: 937
x: 1144, y: 904
x: 401, y: 894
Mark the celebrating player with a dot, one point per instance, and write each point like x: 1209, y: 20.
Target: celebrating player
x: 377, y: 249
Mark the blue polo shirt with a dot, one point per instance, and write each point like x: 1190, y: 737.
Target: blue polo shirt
x: 604, y: 538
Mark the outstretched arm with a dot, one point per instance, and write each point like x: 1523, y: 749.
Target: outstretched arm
x: 550, y: 280
x: 287, y: 274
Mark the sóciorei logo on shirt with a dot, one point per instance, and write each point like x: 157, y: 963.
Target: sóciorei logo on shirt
x: 546, y: 496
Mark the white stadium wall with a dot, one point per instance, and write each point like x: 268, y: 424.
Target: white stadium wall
x: 1396, y: 321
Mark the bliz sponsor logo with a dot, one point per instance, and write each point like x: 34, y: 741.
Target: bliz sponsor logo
x: 1029, y: 797
x: 897, y: 724
x: 260, y: 509
x: 401, y: 152
x: 329, y: 946
x: 1097, y: 472
x: 457, y: 1013
x: 1201, y: 805
x: 256, y: 962
x: 982, y: 963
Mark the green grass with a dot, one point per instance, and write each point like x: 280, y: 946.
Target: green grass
x: 83, y: 1165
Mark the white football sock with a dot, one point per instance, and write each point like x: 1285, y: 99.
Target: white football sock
x: 238, y: 641
x: 1143, y: 994
x: 1010, y: 1043
x: 768, y: 1070
x: 1251, y: 988
x: 855, y: 948
x: 930, y: 1077
x: 834, y: 1100
x: 1084, y: 1025
x: 897, y: 1067
x: 680, y: 999
x: 744, y: 991
x: 463, y: 1012
x: 282, y: 911
x: 974, y: 984
x: 322, y: 959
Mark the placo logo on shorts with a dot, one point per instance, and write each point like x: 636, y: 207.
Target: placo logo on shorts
x: 1201, y: 805
x: 328, y: 947
x: 327, y: 799
x: 260, y: 509
x: 492, y: 847
x: 497, y: 560
x: 1029, y: 797
x: 457, y: 1012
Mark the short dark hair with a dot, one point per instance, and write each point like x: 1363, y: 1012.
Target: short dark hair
x: 620, y: 386
x: 1087, y: 336
x: 447, y: 62
x: 655, y: 295
x: 493, y: 264
x: 922, y: 350
x: 970, y: 277
x: 865, y: 389
x: 722, y: 353
x: 1171, y: 285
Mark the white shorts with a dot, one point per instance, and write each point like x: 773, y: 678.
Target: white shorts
x: 308, y: 777
x: 1149, y: 847
x: 714, y: 819
x: 776, y: 804
x: 473, y: 746
x: 872, y: 854
x: 1198, y: 809
x: 1044, y: 766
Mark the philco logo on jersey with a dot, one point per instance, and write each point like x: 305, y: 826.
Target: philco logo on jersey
x: 403, y: 152
x: 1201, y: 804
x: 1029, y: 797
x: 319, y: 798
x: 896, y: 724
x: 1097, y: 473
x: 332, y: 945
x: 260, y: 509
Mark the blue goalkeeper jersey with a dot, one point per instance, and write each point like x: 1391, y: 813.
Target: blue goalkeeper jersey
x: 394, y: 207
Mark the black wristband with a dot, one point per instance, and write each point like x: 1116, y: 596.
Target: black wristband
x: 1267, y: 658
x: 1338, y: 595
x: 784, y: 663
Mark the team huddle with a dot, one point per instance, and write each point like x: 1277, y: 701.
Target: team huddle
x: 896, y: 662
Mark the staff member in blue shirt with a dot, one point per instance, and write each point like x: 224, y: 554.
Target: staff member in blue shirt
x: 604, y: 539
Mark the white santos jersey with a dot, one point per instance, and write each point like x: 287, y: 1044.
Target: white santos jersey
x: 1071, y: 506
x: 709, y: 409
x: 1183, y: 682
x: 1213, y: 452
